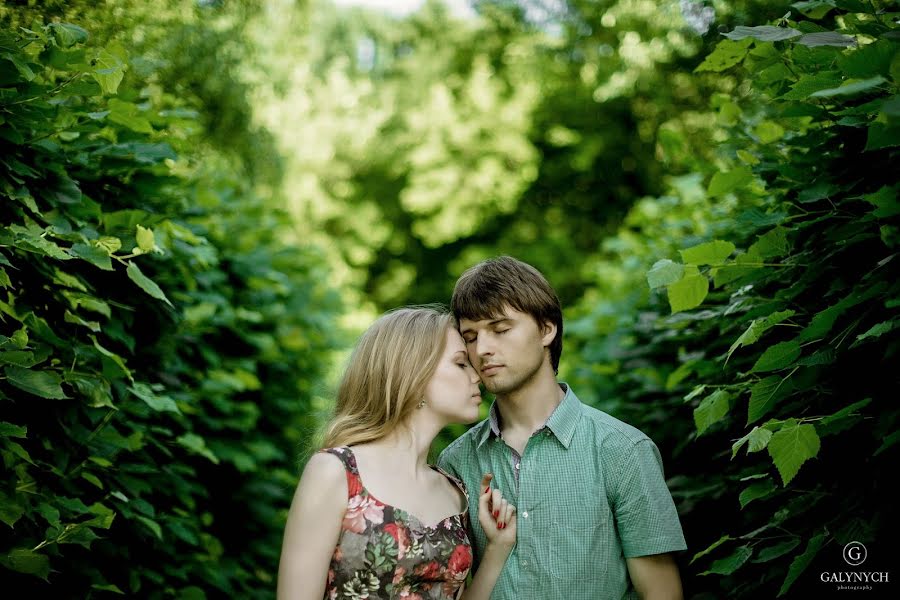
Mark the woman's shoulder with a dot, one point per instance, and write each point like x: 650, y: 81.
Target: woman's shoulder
x: 326, y: 466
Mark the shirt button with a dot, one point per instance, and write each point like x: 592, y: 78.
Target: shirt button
x: 525, y: 514
x: 547, y: 433
x: 524, y: 563
x: 517, y: 466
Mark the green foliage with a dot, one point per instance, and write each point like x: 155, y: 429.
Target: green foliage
x: 780, y: 331
x: 159, y: 340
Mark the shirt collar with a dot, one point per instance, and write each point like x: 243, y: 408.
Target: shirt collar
x: 562, y: 422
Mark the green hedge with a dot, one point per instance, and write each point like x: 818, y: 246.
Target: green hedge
x: 160, y: 342
x: 765, y: 362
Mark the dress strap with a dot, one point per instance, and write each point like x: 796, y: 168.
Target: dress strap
x: 457, y: 482
x: 348, y: 459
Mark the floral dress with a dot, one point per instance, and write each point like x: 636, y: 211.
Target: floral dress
x: 385, y: 552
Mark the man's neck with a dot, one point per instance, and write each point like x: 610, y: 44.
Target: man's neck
x: 526, y: 409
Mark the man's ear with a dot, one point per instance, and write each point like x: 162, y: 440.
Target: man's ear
x: 548, y: 333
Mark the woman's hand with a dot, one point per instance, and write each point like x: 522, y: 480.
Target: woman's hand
x: 496, y: 515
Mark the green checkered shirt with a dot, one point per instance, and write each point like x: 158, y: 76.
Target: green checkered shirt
x: 589, y: 492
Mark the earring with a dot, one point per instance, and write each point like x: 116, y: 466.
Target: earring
x: 421, y: 403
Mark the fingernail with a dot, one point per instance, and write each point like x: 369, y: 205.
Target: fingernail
x: 486, y: 489
x: 502, y: 526
x: 496, y: 513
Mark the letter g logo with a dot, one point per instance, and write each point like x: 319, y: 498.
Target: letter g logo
x: 855, y: 553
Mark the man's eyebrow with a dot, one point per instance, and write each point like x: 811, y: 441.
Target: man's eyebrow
x: 500, y: 320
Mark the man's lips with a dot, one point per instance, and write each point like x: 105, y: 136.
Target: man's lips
x: 490, y: 369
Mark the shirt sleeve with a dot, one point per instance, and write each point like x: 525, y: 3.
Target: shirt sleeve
x: 645, y: 513
x: 444, y: 462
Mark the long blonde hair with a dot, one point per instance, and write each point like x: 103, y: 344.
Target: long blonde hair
x: 387, y: 374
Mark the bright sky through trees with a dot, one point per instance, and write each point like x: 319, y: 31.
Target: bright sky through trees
x: 403, y: 7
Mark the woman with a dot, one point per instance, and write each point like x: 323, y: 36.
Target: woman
x: 370, y: 518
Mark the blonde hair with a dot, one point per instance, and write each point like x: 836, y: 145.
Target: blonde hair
x: 387, y: 374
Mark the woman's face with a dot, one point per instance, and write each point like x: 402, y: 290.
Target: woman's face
x: 452, y: 392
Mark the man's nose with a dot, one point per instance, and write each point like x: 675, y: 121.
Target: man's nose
x: 482, y: 347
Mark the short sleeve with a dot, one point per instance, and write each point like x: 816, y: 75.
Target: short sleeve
x: 445, y: 463
x: 645, y: 513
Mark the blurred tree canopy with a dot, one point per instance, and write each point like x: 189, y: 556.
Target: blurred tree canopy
x: 418, y: 146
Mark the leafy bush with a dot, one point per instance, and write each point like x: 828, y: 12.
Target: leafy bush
x: 159, y: 340
x: 772, y: 383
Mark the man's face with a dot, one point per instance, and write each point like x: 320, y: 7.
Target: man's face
x: 507, y: 350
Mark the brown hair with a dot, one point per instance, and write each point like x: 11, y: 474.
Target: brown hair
x: 484, y: 290
x: 387, y: 374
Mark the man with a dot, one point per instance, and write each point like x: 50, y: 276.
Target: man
x: 595, y: 518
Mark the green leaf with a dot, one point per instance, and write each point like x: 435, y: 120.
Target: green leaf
x: 771, y: 244
x: 758, y: 327
x: 724, y: 182
x: 152, y: 525
x: 128, y: 115
x: 197, y: 444
x: 809, y: 84
x: 689, y: 292
x: 842, y: 419
x: 885, y: 202
x: 710, y: 253
x: 663, y: 272
x: 765, y: 393
x: 814, y: 9
x: 801, y: 562
x: 711, y: 409
x: 103, y: 518
x: 10, y: 430
x: 68, y: 35
x: 773, y: 552
x: 157, y: 403
x: 875, y: 331
x: 109, y: 70
x: 40, y: 245
x: 145, y: 283
x: 145, y: 239
x: 192, y: 593
x: 725, y: 55
x: 768, y: 132
x: 727, y: 566
x: 777, y: 357
x: 827, y: 38
x: 790, y: 447
x: 27, y: 561
x: 92, y: 478
x: 21, y: 66
x: 758, y: 439
x: 763, y: 33
x: 755, y: 491
x: 850, y: 87
x: 11, y: 510
x: 45, y: 384
x: 711, y: 547
x: 93, y: 254
x: 887, y: 442
x: 115, y: 358
x: 109, y: 587
x: 881, y: 136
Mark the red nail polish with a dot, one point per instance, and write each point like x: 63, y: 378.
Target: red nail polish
x: 502, y: 526
x: 486, y: 489
x: 496, y: 513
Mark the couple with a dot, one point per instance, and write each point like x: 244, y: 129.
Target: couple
x: 571, y: 503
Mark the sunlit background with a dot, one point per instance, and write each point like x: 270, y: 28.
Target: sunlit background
x: 205, y: 201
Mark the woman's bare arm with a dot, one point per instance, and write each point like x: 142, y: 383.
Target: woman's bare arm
x: 313, y: 529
